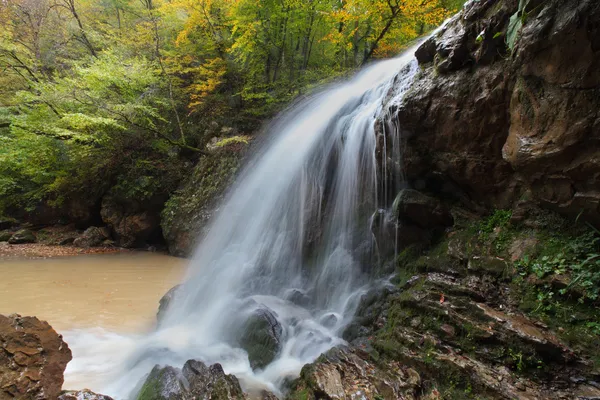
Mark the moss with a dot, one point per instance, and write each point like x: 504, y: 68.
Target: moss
x: 189, y: 208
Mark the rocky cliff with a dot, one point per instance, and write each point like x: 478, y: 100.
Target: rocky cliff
x: 507, y: 106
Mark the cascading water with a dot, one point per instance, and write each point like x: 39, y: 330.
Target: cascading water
x: 296, y: 225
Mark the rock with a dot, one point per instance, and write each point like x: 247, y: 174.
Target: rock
x: 261, y: 337
x: 194, y: 381
x: 348, y: 373
x: 5, y: 236
x: 426, y: 52
x: 211, y: 382
x: 165, y: 302
x: 67, y: 241
x: 448, y: 330
x: 84, y: 394
x: 92, y: 237
x: 329, y: 320
x: 22, y: 236
x: 164, y: 383
x: 521, y: 247
x: 132, y: 224
x: 499, y: 123
x: 33, y: 358
x: 421, y: 210
x: 265, y: 395
x: 298, y: 297
x: 186, y: 214
x: 488, y: 265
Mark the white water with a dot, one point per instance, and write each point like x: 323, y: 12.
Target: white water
x: 298, y: 219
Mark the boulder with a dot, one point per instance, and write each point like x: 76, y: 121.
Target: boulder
x: 22, y: 236
x: 91, y: 237
x: 261, y: 337
x: 165, y: 302
x: 5, y: 236
x: 33, y: 358
x: 194, y: 381
x: 421, y: 210
x: 84, y: 394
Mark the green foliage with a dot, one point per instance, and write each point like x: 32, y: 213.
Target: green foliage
x: 577, y: 257
x: 498, y: 219
x: 95, y: 93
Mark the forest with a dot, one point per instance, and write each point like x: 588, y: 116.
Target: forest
x: 127, y: 93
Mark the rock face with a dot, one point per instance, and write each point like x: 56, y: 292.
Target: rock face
x: 186, y: 214
x: 261, y: 337
x: 33, y: 358
x: 421, y: 210
x: 194, y: 381
x: 504, y: 123
x: 22, y: 236
x: 132, y: 224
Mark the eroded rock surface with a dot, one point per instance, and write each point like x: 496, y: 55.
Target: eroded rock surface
x: 33, y: 358
x: 501, y: 123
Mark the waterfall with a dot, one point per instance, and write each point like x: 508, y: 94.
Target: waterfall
x: 297, y: 222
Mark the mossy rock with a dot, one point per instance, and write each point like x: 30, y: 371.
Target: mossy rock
x: 5, y: 236
x: 261, y: 337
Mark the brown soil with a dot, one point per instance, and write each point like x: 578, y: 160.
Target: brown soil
x: 38, y: 250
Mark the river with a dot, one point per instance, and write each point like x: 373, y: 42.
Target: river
x: 116, y: 293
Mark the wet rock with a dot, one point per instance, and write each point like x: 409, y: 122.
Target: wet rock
x: 194, y: 381
x: 298, y: 297
x: 22, y: 236
x: 165, y: 302
x: 187, y: 213
x: 421, y: 210
x: 426, y: 52
x: 261, y: 337
x: 265, y: 395
x: 164, y: 383
x: 500, y: 123
x: 92, y: 237
x: 211, y: 382
x: 5, y: 236
x: 84, y: 394
x: 349, y: 373
x: 33, y: 358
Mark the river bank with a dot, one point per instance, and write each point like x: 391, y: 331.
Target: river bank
x: 31, y: 251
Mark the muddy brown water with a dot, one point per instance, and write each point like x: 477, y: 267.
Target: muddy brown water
x: 116, y: 292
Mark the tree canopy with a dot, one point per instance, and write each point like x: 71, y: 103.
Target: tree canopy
x: 102, y: 81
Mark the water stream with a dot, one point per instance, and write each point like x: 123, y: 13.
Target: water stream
x: 296, y: 223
